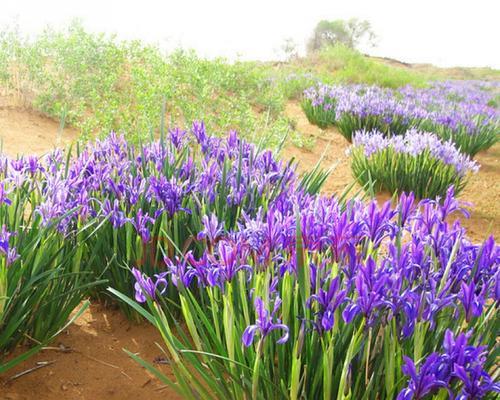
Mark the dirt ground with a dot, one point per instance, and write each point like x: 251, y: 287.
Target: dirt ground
x: 96, y: 367
x: 26, y: 132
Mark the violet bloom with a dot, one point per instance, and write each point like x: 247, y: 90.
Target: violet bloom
x: 264, y: 323
x: 378, y: 222
x: 9, y: 252
x: 422, y: 383
x: 472, y: 303
x: 414, y: 143
x: 116, y: 216
x: 4, y: 240
x: 201, y: 267
x: 3, y: 195
x: 466, y: 363
x: 199, y: 132
x: 406, y: 207
x: 146, y: 288
x: 170, y: 193
x: 177, y: 136
x: 371, y: 291
x: 328, y: 301
x: 459, y: 361
x: 140, y: 223
x: 180, y: 271
x: 33, y: 165
x: 228, y: 265
x: 477, y: 383
x: 212, y: 229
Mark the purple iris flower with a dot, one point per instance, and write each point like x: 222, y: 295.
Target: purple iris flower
x: 459, y: 361
x: 228, y: 263
x: 370, y: 284
x: 264, y: 323
x: 180, y: 271
x: 423, y: 382
x: 116, y: 215
x: 177, y: 137
x: 146, y: 288
x: 201, y: 266
x: 328, y: 301
x: 378, y: 221
x: 3, y: 195
x: 477, y: 383
x: 406, y: 207
x: 169, y: 193
x: 212, y: 229
x: 472, y: 303
x: 199, y: 132
x: 9, y: 252
x: 140, y: 223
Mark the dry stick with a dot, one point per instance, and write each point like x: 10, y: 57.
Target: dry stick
x: 99, y: 361
x: 146, y: 383
x: 60, y: 349
x: 63, y: 349
x: 124, y: 374
x: 41, y: 364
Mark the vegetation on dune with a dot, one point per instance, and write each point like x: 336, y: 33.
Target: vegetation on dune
x: 98, y: 84
x: 350, y: 66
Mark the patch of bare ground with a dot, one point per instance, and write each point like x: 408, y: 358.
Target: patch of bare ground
x: 89, y: 363
x: 23, y: 131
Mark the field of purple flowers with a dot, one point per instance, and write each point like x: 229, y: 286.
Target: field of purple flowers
x: 260, y: 286
x: 411, y: 139
x: 464, y: 112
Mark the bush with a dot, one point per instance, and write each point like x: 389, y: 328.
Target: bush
x: 98, y: 84
x: 417, y: 162
x: 41, y: 279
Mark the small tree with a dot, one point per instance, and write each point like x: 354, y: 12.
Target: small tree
x: 350, y: 33
x: 289, y: 49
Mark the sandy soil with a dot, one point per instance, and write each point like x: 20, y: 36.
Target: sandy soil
x: 96, y: 367
x: 23, y: 131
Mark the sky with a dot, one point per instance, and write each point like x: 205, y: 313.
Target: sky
x: 442, y: 32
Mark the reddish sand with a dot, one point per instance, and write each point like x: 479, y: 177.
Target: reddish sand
x: 26, y: 132
x: 96, y: 367
x: 91, y: 363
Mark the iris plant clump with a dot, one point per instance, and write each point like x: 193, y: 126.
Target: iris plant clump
x: 148, y: 202
x: 41, y: 280
x: 319, y: 299
x: 71, y: 224
x: 415, y: 161
x: 461, y: 111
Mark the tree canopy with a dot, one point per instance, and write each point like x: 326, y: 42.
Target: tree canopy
x: 350, y: 33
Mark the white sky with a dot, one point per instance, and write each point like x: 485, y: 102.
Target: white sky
x: 442, y: 32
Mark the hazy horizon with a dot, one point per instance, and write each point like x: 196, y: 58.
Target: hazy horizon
x: 445, y: 33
